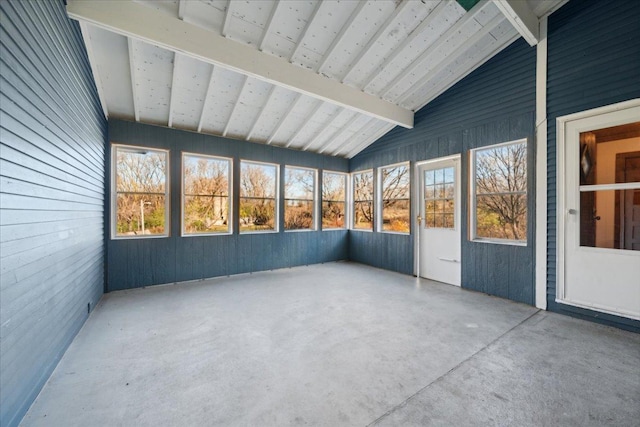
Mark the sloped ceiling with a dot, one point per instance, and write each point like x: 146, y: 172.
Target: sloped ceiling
x: 396, y: 53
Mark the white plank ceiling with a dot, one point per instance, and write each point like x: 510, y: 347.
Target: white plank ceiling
x: 405, y: 52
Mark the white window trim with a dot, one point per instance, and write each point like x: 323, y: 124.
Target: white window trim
x: 379, y: 223
x: 114, y: 193
x: 347, y: 216
x: 277, y: 198
x: 314, y: 221
x: 352, y: 203
x: 230, y: 210
x: 472, y: 195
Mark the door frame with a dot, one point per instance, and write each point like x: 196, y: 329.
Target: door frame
x: 417, y: 197
x: 618, y: 114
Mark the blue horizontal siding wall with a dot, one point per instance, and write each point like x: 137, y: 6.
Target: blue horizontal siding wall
x: 495, y: 103
x: 593, y: 61
x: 140, y: 262
x: 52, y: 135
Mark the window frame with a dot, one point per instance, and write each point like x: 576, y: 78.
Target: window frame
x: 353, y: 201
x: 114, y: 191
x: 378, y: 205
x: 183, y: 195
x: 276, y: 198
x: 314, y: 200
x: 473, y: 225
x: 347, y: 216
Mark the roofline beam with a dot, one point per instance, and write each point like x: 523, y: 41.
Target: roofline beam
x: 206, y: 98
x: 490, y: 26
x: 267, y: 29
x: 339, y: 133
x: 94, y: 69
x: 262, y: 110
x: 384, y: 29
x: 284, y: 117
x: 307, y: 119
x: 132, y: 67
x: 172, y: 94
x: 411, y: 37
x: 227, y: 19
x: 522, y: 18
x: 235, y: 106
x: 305, y: 31
x: 415, y: 64
x: 152, y: 26
x: 338, y: 39
x: 182, y: 7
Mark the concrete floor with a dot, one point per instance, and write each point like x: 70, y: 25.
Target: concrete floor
x: 337, y: 344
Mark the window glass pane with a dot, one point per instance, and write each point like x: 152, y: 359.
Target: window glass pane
x: 258, y: 189
x: 206, y: 191
x: 500, y: 177
x: 429, y: 177
x: 448, y: 175
x: 333, y: 200
x: 363, y: 200
x: 395, y: 198
x: 141, y: 192
x: 299, y: 190
x: 502, y: 216
x: 257, y: 214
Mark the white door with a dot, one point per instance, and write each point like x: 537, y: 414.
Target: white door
x: 601, y: 266
x: 439, y: 220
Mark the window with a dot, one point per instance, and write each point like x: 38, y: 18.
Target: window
x: 439, y: 198
x: 334, y: 200
x: 258, y: 197
x: 206, y: 185
x: 395, y: 198
x: 499, y: 192
x: 141, y: 199
x: 299, y: 191
x: 363, y: 200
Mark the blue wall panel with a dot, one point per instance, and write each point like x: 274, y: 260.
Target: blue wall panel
x: 593, y: 61
x: 141, y: 262
x: 495, y: 103
x: 52, y: 135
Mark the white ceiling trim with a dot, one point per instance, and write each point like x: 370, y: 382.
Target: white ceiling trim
x: 157, y: 28
x: 267, y: 28
x: 206, y: 98
x: 305, y: 31
x: 94, y: 69
x: 235, y: 106
x: 451, y: 57
x: 132, y: 65
x: 259, y: 116
x: 522, y: 18
x: 227, y: 19
x: 415, y: 64
x: 172, y: 94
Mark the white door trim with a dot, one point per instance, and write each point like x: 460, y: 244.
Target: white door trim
x: 563, y: 125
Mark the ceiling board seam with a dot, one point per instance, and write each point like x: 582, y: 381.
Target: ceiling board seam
x: 382, y: 65
x: 305, y: 31
x: 93, y: 64
x: 373, y: 40
x: 267, y: 28
x: 206, y: 98
x: 465, y: 19
x: 338, y: 39
x: 132, y: 68
x: 358, y: 132
x: 451, y: 57
x: 235, y: 106
x: 262, y: 110
x: 172, y: 93
x: 293, y: 105
x: 323, y: 129
x: 335, y: 137
x: 306, y: 120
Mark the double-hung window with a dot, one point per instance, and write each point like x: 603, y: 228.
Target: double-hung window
x: 258, y: 197
x: 334, y: 200
x: 499, y: 193
x: 362, y: 184
x: 299, y: 198
x: 206, y: 185
x: 395, y: 198
x: 140, y: 203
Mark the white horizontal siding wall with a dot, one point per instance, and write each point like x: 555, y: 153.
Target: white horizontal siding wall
x: 52, y: 139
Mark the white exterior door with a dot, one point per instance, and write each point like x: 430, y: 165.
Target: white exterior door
x: 439, y: 220
x: 598, y: 269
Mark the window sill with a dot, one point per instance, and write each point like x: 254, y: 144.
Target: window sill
x: 500, y: 242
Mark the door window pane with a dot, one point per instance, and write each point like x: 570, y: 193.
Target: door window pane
x: 439, y: 198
